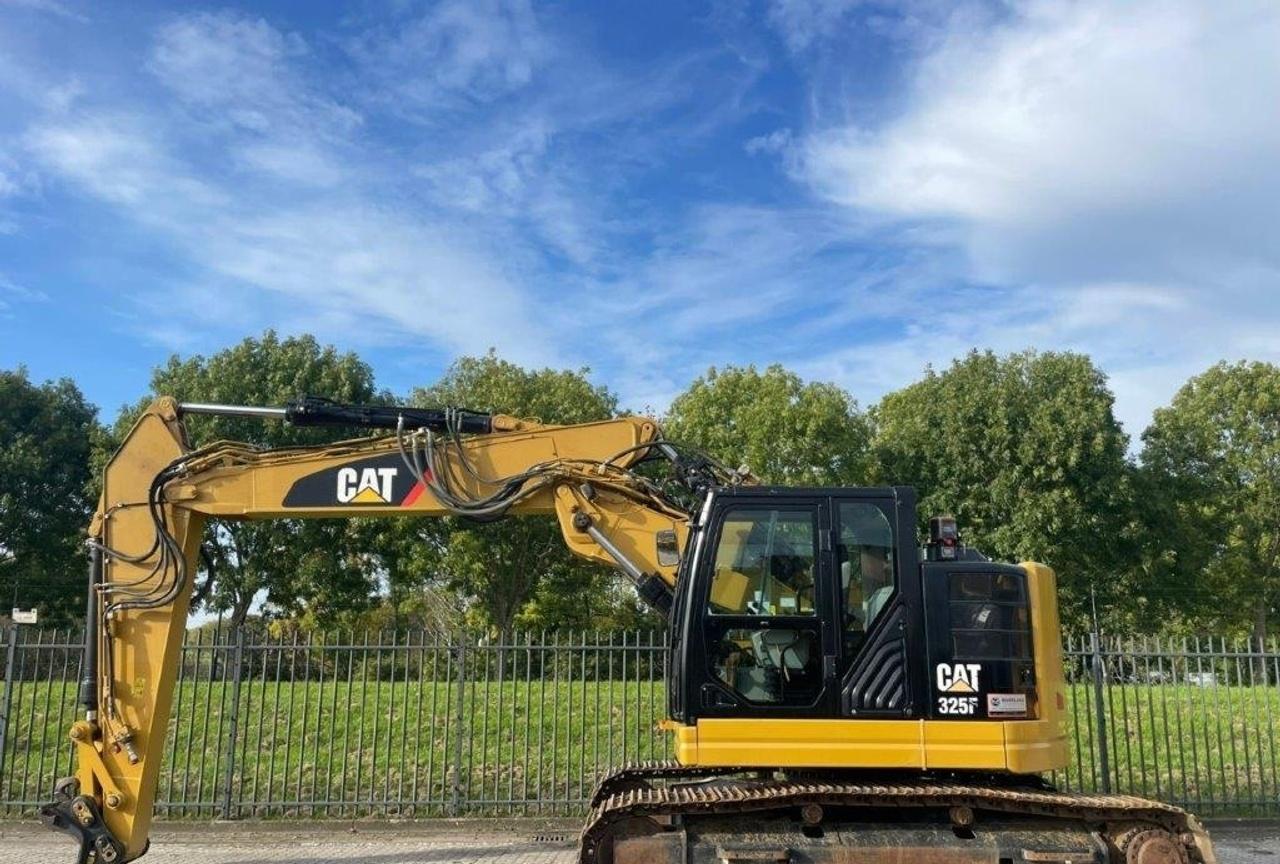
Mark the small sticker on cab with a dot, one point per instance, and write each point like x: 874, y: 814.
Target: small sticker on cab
x: 1006, y: 705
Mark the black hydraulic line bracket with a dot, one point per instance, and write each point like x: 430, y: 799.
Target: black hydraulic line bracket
x: 78, y: 815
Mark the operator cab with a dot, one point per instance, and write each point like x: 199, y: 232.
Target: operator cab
x: 818, y: 603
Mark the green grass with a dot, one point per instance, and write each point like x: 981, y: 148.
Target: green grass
x: 364, y: 746
x: 361, y: 746
x: 1213, y: 749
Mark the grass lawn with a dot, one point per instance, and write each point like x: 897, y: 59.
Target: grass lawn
x: 380, y: 746
x: 359, y: 748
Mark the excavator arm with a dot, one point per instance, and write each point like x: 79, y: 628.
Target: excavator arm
x: 158, y: 493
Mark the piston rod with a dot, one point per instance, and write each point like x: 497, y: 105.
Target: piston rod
x: 231, y: 410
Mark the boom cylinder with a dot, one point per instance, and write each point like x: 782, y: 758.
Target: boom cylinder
x: 315, y: 411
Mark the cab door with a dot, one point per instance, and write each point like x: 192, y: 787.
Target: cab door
x: 766, y: 646
x: 878, y: 602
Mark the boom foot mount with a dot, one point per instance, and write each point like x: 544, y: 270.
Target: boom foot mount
x: 78, y: 815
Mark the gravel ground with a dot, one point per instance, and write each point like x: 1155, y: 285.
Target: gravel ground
x: 457, y: 842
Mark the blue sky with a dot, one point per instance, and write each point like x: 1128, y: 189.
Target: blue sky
x: 853, y: 189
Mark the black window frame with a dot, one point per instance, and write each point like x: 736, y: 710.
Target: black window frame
x: 721, y: 623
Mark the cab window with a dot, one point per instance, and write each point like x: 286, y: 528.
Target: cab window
x: 989, y: 619
x: 865, y: 553
x: 765, y: 564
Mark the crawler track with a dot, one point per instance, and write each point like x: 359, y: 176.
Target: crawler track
x: 665, y: 791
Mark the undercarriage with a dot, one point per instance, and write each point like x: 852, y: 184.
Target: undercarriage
x: 667, y: 814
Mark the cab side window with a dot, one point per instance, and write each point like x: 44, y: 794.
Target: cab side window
x: 865, y: 554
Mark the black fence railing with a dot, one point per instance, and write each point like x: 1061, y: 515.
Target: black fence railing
x: 422, y: 724
x: 1195, y: 722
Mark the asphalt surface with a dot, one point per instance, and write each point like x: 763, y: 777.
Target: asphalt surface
x: 456, y: 842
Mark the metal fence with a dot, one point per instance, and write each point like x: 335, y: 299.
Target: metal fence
x: 1192, y: 721
x: 426, y: 724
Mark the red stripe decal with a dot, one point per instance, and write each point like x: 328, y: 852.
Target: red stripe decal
x: 414, y: 494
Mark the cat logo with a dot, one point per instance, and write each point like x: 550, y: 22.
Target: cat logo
x: 375, y: 481
x: 366, y: 486
x: 958, y: 677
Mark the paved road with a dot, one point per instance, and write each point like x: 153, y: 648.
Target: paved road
x: 455, y: 842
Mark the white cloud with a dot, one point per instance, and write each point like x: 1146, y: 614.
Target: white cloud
x: 726, y: 284
x: 774, y: 142
x: 1156, y: 118
x: 61, y: 97
x: 801, y: 22
x: 496, y: 176
x: 230, y: 62
x: 812, y: 28
x: 346, y: 266
x: 349, y: 259
x: 240, y: 78
x: 299, y: 162
x: 456, y: 54
x: 13, y: 291
x: 15, y: 178
x: 1115, y: 163
x: 263, y: 173
x: 1085, y: 177
x: 51, y: 7
x: 118, y: 160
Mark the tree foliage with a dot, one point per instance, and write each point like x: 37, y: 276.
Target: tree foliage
x: 785, y: 430
x: 47, y: 432
x: 1023, y: 449
x: 1213, y: 459
x: 316, y: 567
x: 1027, y: 454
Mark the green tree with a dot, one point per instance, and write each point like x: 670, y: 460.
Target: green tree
x: 517, y: 569
x: 1027, y: 454
x: 784, y: 430
x: 1213, y: 456
x: 314, y: 567
x: 46, y: 435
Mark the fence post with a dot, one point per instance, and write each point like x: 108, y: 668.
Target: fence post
x: 237, y: 665
x: 455, y: 807
x: 11, y: 655
x: 1100, y: 713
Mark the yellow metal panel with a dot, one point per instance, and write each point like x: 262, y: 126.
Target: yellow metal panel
x: 837, y: 743
x: 1042, y: 746
x: 975, y: 744
x: 238, y: 482
x: 1020, y: 746
x: 1034, y: 746
x: 686, y: 743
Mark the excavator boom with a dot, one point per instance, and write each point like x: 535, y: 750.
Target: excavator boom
x: 158, y: 493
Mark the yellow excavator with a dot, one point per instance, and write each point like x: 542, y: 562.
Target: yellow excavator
x: 838, y: 691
